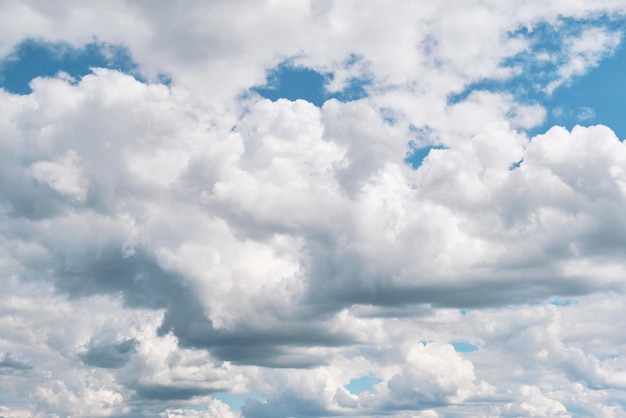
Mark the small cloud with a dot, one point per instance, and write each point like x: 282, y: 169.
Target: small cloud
x: 557, y: 112
x: 585, y: 113
x: 62, y: 75
x: 584, y: 52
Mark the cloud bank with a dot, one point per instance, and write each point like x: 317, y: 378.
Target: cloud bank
x: 170, y: 236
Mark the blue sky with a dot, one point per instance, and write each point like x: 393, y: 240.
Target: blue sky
x: 362, y: 384
x: 464, y: 346
x: 288, y: 81
x: 191, y: 245
x: 594, y: 97
x: 602, y: 90
x: 37, y: 58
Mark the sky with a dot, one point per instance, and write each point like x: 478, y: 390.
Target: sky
x: 312, y: 208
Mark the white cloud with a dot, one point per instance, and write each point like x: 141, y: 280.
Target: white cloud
x: 215, y: 409
x: 433, y: 374
x: 65, y: 175
x: 585, y: 52
x: 164, y: 244
x: 535, y: 404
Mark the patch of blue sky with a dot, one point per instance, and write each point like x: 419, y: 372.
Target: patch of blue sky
x: 464, y: 346
x: 515, y: 165
x: 420, y: 146
x: 36, y: 58
x: 561, y: 302
x: 236, y: 400
x: 293, y: 82
x: 596, y: 97
x: 362, y: 384
x: 13, y: 401
x: 599, y: 97
x: 415, y: 157
x: 390, y: 117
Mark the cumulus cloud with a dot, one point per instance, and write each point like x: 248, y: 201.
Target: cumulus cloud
x: 64, y: 176
x: 215, y: 409
x: 164, y: 243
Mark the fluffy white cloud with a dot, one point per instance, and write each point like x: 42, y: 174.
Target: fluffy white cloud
x: 162, y: 244
x: 216, y: 409
x: 64, y: 175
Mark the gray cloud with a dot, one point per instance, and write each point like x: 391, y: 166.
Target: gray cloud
x: 284, y: 405
x: 162, y: 244
x: 8, y: 362
x: 143, y: 283
x: 168, y: 393
x: 110, y: 356
x: 271, y: 347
